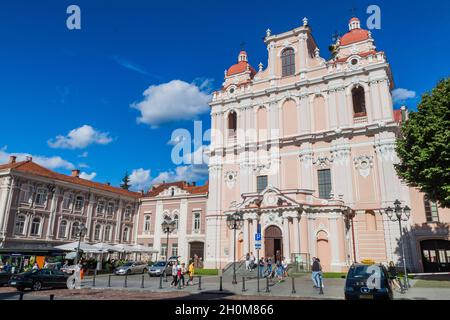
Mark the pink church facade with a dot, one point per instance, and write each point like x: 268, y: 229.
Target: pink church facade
x: 306, y: 148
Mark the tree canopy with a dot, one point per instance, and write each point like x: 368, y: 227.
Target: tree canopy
x: 424, y: 148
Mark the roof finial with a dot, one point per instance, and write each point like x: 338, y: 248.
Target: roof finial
x: 305, y: 21
x: 260, y: 66
x: 268, y: 33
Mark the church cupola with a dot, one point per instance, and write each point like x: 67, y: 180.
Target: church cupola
x: 242, y: 56
x: 354, y: 24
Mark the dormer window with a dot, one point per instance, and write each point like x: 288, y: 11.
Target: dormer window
x: 288, y: 62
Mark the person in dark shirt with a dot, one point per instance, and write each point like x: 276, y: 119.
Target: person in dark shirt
x: 393, y: 275
x: 316, y: 270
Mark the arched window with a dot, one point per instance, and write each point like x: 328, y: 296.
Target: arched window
x: 175, y: 218
x: 147, y: 223
x: 431, y: 210
x: 74, y: 230
x: 288, y: 62
x: 36, y: 227
x: 126, y: 232
x: 108, y: 233
x: 19, y: 227
x: 232, y: 124
x: 62, y: 229
x: 97, y: 230
x: 359, y: 102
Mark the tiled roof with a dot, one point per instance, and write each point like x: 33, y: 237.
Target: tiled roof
x: 355, y: 35
x: 241, y: 67
x: 32, y: 168
x: 190, y: 188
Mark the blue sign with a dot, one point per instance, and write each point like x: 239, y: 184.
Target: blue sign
x: 258, y: 237
x: 257, y: 245
x: 258, y: 229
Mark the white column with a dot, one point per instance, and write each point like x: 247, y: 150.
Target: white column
x: 332, y: 110
x: 286, y: 238
x: 182, y: 227
x: 53, y: 207
x: 246, y: 238
x: 335, y: 266
x: 5, y: 191
x: 136, y: 224
x: 90, y: 213
x: 158, y: 221
x: 303, y: 52
x: 295, y: 226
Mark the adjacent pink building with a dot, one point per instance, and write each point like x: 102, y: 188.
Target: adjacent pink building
x: 306, y: 147
x: 40, y: 208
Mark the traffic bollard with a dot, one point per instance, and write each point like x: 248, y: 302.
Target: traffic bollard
x: 220, y: 287
x: 142, y: 282
x: 160, y: 281
x: 267, y: 285
x: 21, y: 296
x: 200, y: 283
x: 52, y: 297
x: 93, y: 279
x: 320, y: 284
x: 293, y: 286
x: 243, y: 284
x: 109, y: 281
x: 125, y: 283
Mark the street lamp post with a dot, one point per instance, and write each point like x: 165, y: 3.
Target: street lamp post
x: 399, y: 213
x: 168, y: 226
x: 235, y: 222
x: 81, y: 230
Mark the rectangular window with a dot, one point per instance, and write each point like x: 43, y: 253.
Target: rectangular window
x: 197, y: 221
x: 324, y: 177
x: 163, y: 249
x: 41, y: 196
x: 175, y: 250
x: 67, y: 202
x: 79, y: 202
x: 110, y: 210
x: 100, y: 206
x: 431, y: 211
x: 261, y: 183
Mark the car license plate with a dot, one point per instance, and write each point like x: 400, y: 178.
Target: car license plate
x: 366, y: 296
x: 13, y: 283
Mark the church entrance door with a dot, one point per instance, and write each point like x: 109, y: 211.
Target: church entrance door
x: 273, y: 243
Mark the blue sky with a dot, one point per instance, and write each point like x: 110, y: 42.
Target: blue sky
x: 91, y: 81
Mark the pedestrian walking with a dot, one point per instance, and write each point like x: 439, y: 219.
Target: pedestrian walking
x: 252, y: 261
x: 393, y: 275
x: 284, y: 265
x: 182, y: 272
x: 174, y: 275
x: 316, y: 269
x: 191, y: 270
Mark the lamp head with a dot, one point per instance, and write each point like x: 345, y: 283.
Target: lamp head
x: 389, y: 212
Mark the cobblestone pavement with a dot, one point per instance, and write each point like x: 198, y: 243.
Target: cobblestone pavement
x: 130, y: 288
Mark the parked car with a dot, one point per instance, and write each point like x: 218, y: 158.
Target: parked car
x: 131, y: 267
x: 173, y: 259
x: 4, y: 278
x: 364, y: 281
x: 159, y: 268
x: 39, y: 279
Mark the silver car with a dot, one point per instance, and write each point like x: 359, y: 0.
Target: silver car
x: 159, y: 268
x: 131, y: 267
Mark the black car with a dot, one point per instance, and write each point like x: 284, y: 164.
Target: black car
x: 368, y: 282
x: 39, y: 279
x: 4, y: 278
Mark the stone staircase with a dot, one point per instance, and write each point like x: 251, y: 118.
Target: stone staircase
x: 240, y: 270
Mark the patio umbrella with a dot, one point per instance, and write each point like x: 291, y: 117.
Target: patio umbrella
x: 143, y: 249
x: 104, y: 247
x: 123, y: 248
x: 85, y: 247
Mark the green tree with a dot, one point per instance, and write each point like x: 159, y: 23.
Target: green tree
x: 126, y: 182
x: 424, y: 148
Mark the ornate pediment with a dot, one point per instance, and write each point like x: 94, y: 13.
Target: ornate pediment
x: 173, y: 191
x: 269, y: 198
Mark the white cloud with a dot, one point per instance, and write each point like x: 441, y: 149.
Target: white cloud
x: 172, y: 101
x: 53, y: 163
x: 183, y: 173
x: 140, y: 179
x: 401, y: 95
x: 84, y: 155
x: 87, y: 176
x: 80, y: 138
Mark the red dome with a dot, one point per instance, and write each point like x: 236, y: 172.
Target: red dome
x: 240, y: 67
x: 355, y: 35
